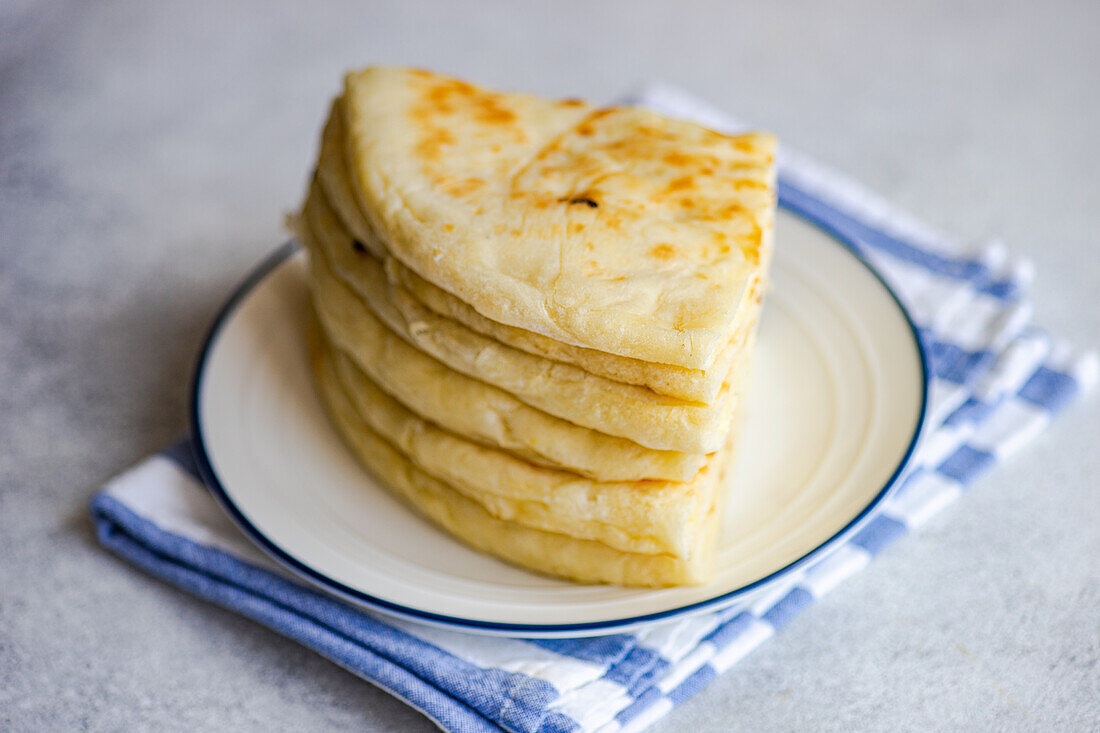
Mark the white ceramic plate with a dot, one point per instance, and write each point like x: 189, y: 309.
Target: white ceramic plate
x: 835, y: 410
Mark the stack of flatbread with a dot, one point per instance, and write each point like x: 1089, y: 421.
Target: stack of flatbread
x: 537, y: 316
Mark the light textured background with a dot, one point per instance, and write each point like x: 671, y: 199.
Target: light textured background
x: 148, y: 151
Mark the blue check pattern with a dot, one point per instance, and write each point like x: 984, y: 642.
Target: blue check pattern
x: 996, y: 382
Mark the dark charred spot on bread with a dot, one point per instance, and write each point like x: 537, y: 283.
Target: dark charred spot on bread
x: 581, y: 200
x: 358, y: 246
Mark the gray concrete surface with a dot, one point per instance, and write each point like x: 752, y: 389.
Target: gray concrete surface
x: 148, y: 150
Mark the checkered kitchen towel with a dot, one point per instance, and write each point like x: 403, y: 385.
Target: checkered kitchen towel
x: 997, y: 382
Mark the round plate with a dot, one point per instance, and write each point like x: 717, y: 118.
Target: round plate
x: 835, y: 410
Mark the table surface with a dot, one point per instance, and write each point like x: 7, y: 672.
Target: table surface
x: 148, y: 152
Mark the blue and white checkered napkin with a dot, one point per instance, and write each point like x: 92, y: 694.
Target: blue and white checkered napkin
x: 997, y: 382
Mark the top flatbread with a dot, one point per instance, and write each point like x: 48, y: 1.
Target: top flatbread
x: 616, y: 229
x: 693, y: 385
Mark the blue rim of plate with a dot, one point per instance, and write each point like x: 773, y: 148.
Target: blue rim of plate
x: 818, y: 218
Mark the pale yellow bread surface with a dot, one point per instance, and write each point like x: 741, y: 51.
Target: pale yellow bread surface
x: 694, y: 385
x: 617, y: 230
x: 582, y: 560
x: 334, y: 179
x: 647, y: 517
x: 474, y: 409
x: 690, y: 385
x: 566, y: 391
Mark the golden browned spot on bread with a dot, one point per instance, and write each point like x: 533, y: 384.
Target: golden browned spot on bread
x: 677, y: 159
x: 750, y: 243
x: 756, y: 293
x: 489, y: 112
x: 729, y: 210
x: 751, y: 253
x: 743, y: 183
x: 654, y: 132
x: 575, y: 228
x: 451, y: 96
x: 448, y: 227
x: 571, y: 103
x: 681, y: 183
x: 456, y: 86
x: 438, y: 99
x: 430, y: 146
x: 662, y: 252
x: 612, y: 220
x: 745, y: 145
x: 443, y: 98
x: 601, y: 113
x: 586, y: 127
x: 463, y: 186
x: 687, y: 203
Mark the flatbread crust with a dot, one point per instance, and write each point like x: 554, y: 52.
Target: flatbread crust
x: 647, y: 517
x: 472, y: 408
x: 581, y: 560
x: 628, y: 411
x: 615, y: 229
x: 693, y: 385
x: 538, y: 316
